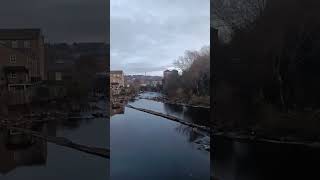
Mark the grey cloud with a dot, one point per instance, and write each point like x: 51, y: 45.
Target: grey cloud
x: 155, y: 33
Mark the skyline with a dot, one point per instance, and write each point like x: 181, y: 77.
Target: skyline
x: 146, y: 37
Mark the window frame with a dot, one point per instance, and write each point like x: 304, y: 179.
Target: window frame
x: 14, y: 44
x: 13, y: 59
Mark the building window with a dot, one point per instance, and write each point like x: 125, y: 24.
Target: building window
x: 13, y: 59
x: 27, y: 44
x: 14, y: 44
x: 58, y: 76
x: 13, y: 75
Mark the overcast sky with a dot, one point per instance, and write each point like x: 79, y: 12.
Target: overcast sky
x: 61, y: 20
x: 148, y: 35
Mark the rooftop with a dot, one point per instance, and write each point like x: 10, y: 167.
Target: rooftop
x: 116, y: 72
x: 9, y: 34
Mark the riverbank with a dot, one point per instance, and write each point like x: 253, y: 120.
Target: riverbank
x: 249, y: 134
x: 239, y: 136
x: 199, y: 103
x: 119, y: 101
x: 266, y: 138
x: 265, y: 122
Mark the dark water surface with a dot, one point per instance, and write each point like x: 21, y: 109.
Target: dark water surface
x: 144, y: 146
x: 198, y: 115
x: 49, y: 161
x: 234, y: 160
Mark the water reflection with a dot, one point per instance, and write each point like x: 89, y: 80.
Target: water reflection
x: 119, y: 110
x: 189, y: 132
x: 199, y: 116
x: 196, y: 115
x: 145, y: 146
x: 12, y: 155
x: 27, y: 157
x: 234, y: 160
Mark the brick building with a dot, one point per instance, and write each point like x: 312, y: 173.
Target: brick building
x: 30, y: 44
x: 116, y: 81
x: 15, y: 68
x: 22, y: 63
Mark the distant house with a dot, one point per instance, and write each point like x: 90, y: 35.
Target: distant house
x: 156, y: 83
x: 167, y: 74
x: 116, y: 81
x: 117, y: 77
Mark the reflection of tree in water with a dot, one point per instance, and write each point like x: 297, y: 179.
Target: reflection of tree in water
x: 189, y: 132
x: 18, y: 149
x: 115, y: 111
x: 170, y: 108
x: 198, y: 116
x: 175, y: 110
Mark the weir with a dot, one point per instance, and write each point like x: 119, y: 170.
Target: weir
x: 102, y: 152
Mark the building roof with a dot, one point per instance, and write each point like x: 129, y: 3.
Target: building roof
x: 116, y: 72
x: 173, y: 70
x: 8, y: 69
x: 16, y: 34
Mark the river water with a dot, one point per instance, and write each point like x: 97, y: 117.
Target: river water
x: 144, y: 146
x: 234, y: 160
x: 43, y: 160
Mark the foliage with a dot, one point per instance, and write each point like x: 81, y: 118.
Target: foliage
x: 272, y: 59
x: 195, y: 77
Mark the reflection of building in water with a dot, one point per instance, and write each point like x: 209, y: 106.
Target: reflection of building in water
x: 34, y: 154
x: 119, y: 110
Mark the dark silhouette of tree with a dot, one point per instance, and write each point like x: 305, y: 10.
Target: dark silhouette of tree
x: 271, y: 57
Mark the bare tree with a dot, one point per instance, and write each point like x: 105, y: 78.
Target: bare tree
x: 236, y: 14
x: 195, y: 66
x: 184, y: 62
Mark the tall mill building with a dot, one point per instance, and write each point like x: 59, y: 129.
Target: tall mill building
x: 23, y: 50
x: 116, y: 82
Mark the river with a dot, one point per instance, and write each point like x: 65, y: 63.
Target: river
x: 43, y: 160
x: 144, y: 146
x: 234, y: 160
